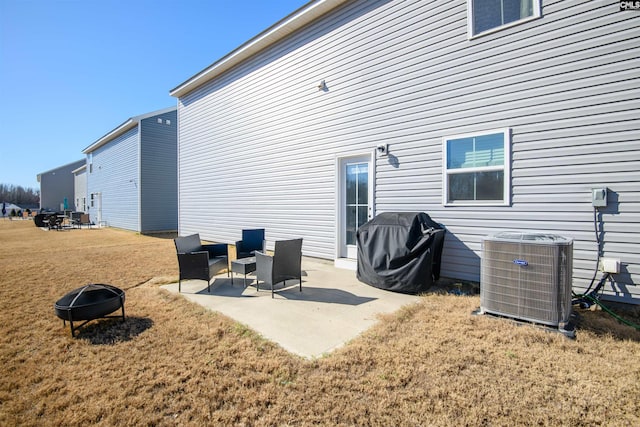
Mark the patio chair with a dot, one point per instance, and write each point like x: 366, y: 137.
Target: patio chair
x: 198, y: 261
x: 285, y: 264
x: 75, y: 219
x: 252, y: 241
x: 78, y: 219
x: 54, y: 222
x: 85, y: 220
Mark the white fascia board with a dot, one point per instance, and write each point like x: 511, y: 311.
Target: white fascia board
x: 293, y: 22
x: 56, y: 168
x: 124, y: 127
x: 128, y: 124
x: 80, y: 169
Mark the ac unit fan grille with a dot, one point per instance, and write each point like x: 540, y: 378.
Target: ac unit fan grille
x: 527, y: 281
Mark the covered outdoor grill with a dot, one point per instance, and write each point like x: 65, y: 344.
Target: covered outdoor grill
x: 400, y: 251
x: 38, y: 220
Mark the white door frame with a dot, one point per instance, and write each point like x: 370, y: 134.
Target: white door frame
x: 99, y: 208
x: 340, y: 163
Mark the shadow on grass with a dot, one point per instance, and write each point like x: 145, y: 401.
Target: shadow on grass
x: 114, y: 330
x: 603, y: 324
x: 162, y: 234
x: 445, y: 286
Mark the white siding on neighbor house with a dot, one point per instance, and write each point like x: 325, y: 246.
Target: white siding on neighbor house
x: 80, y: 190
x: 115, y: 174
x: 258, y: 145
x: 158, y: 173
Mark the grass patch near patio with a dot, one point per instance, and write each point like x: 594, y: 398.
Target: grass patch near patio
x: 174, y: 363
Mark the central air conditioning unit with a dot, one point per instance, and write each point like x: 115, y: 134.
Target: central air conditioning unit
x: 528, y: 276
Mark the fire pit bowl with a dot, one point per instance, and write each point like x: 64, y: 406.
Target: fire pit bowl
x: 93, y: 301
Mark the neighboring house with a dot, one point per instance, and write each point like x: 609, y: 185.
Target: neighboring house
x: 131, y: 174
x: 8, y: 207
x: 80, y: 188
x: 56, y: 186
x: 489, y: 116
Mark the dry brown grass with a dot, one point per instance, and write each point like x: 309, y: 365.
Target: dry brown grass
x: 174, y: 363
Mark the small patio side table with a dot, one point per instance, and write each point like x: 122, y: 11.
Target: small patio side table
x: 243, y: 266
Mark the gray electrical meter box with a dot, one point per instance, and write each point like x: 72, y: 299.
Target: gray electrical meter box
x: 599, y: 197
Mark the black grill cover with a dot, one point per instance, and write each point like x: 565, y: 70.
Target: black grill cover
x: 400, y: 251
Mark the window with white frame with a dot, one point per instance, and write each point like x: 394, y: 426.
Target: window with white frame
x: 486, y: 15
x: 476, y: 168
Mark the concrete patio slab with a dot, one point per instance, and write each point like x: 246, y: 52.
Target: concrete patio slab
x: 332, y: 309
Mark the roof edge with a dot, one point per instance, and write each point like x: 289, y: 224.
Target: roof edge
x: 60, y: 167
x: 128, y: 124
x: 75, y: 171
x: 292, y: 22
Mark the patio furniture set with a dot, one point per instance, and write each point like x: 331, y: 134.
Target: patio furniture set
x: 204, y: 261
x: 59, y: 221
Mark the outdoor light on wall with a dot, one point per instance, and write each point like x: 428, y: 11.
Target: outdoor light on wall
x: 322, y: 87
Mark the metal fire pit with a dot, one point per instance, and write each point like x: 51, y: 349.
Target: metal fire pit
x: 93, y: 301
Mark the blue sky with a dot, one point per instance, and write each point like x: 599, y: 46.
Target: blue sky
x: 73, y: 70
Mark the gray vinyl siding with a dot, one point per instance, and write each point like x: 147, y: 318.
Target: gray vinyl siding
x: 158, y: 173
x: 567, y: 85
x: 115, y: 174
x: 258, y: 145
x: 56, y: 185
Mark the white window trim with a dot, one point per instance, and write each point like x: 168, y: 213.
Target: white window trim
x: 506, y: 168
x: 537, y: 13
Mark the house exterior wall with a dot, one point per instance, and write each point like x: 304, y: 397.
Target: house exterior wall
x: 80, y: 190
x: 158, y: 172
x: 56, y: 185
x: 258, y: 144
x: 113, y: 180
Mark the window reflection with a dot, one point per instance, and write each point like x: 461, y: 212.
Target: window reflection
x: 357, y: 199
